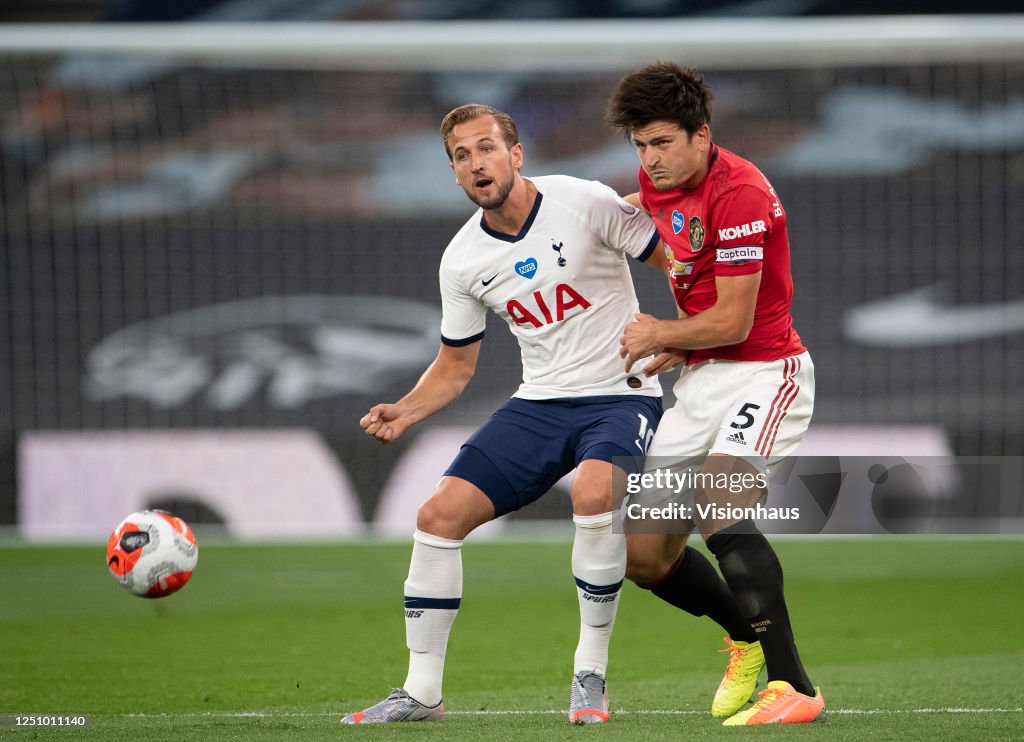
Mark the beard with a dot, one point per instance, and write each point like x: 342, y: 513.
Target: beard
x: 495, y: 201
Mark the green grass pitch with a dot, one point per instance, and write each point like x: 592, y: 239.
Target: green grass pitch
x: 908, y: 638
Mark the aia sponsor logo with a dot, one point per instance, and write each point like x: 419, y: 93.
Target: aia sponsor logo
x: 540, y: 313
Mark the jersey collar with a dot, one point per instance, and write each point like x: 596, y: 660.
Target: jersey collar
x: 712, y: 156
x: 523, y: 231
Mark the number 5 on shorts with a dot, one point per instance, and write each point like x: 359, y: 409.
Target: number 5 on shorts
x: 744, y: 418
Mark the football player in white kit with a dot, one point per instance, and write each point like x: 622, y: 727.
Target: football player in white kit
x: 548, y: 255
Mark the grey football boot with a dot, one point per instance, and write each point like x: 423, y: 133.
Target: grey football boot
x: 588, y: 699
x: 399, y: 706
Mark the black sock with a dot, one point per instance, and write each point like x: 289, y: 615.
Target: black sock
x: 694, y: 586
x: 754, y: 575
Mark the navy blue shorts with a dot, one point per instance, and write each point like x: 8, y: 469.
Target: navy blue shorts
x: 528, y: 445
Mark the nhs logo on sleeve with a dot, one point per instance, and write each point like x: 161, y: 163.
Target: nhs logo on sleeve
x: 527, y: 268
x: 678, y: 221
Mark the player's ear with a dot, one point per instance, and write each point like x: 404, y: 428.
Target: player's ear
x: 517, y: 155
x: 703, y: 135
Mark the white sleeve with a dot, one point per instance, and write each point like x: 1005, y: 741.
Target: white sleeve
x: 463, y: 316
x: 621, y: 225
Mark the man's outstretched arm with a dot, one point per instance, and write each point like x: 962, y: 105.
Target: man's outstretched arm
x: 441, y: 384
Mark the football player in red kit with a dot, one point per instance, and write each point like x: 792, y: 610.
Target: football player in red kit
x: 745, y: 395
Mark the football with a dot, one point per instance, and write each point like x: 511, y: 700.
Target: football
x: 152, y: 553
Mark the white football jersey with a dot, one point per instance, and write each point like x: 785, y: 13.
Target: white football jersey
x: 562, y: 284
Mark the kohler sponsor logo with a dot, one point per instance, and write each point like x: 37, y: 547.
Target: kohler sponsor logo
x: 743, y: 230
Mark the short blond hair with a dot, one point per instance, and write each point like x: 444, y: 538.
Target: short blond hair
x: 472, y: 111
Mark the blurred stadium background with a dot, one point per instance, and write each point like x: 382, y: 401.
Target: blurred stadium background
x: 220, y: 242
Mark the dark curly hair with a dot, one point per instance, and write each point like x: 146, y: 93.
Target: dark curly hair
x: 662, y: 91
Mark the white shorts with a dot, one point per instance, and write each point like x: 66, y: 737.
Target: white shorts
x: 757, y: 410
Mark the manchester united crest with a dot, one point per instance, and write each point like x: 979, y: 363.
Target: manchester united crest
x: 696, y: 233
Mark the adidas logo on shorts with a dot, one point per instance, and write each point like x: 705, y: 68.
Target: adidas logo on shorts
x: 737, y: 437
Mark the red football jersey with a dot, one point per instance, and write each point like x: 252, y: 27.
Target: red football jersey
x: 731, y: 224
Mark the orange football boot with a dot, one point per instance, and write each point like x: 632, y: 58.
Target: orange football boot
x: 779, y: 703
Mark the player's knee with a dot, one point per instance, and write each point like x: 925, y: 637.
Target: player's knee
x: 428, y: 518
x: 591, y: 502
x: 436, y: 519
x: 453, y: 511
x: 592, y: 487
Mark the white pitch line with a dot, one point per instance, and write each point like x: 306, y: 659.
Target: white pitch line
x: 690, y: 712
x: 541, y: 712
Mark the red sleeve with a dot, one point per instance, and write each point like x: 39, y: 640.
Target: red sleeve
x: 741, y: 223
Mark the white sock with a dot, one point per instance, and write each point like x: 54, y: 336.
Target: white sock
x: 433, y: 592
x: 599, y: 566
